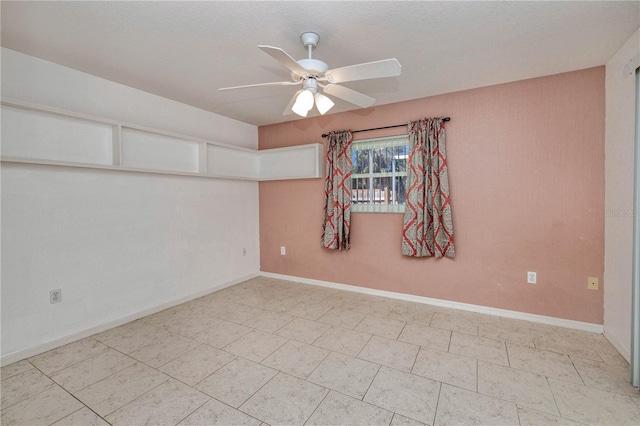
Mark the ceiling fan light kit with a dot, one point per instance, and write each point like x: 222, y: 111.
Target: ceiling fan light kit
x: 323, y: 103
x: 313, y: 73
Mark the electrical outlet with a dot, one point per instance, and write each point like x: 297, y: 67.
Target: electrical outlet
x: 55, y: 296
x: 283, y: 251
x: 592, y: 283
x: 244, y: 251
x: 532, y: 277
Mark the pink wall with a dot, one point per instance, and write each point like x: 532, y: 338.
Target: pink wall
x: 526, y: 170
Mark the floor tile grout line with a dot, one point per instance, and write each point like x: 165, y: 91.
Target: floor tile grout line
x: 15, y: 374
x: 201, y: 405
x: 554, y: 398
x: 70, y: 365
x: 83, y: 405
x: 319, y: 404
x: 435, y: 409
x: 371, y: 383
x: 54, y: 384
x: 139, y: 396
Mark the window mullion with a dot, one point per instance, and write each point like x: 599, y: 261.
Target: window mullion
x: 371, y: 171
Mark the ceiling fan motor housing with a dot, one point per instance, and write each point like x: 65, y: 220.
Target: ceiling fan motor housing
x: 313, y: 65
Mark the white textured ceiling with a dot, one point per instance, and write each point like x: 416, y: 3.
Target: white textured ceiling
x: 187, y: 50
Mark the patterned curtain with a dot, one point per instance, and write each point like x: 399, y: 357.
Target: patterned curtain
x: 337, y: 192
x: 428, y: 227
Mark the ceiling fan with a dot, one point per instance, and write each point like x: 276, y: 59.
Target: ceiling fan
x: 313, y: 74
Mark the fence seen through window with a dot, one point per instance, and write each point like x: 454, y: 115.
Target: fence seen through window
x: 379, y: 175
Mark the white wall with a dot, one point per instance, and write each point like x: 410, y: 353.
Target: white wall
x: 118, y: 244
x: 33, y: 80
x: 619, y: 177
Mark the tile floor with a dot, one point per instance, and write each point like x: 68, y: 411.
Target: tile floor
x: 275, y: 352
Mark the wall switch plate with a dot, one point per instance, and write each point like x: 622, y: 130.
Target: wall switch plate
x: 55, y: 296
x: 244, y: 251
x: 283, y: 251
x: 592, y: 283
x: 532, y: 277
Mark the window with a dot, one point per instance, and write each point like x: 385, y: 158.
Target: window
x: 379, y: 175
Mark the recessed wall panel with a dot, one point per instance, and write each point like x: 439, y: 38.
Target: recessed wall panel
x: 150, y: 151
x: 47, y: 136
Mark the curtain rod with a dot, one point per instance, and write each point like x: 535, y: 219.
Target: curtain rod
x: 324, y: 135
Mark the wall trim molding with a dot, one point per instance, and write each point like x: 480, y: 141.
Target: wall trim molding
x: 542, y: 319
x: 70, y: 338
x: 618, y: 346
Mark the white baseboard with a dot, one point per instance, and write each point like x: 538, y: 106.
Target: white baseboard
x: 70, y: 338
x: 560, y: 322
x: 624, y: 351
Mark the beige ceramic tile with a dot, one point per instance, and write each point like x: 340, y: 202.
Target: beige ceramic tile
x: 197, y: 364
x: 269, y: 321
x: 303, y: 330
x: 43, y: 408
x: 256, y: 345
x: 384, y: 327
x: 405, y: 394
x: 106, y: 396
x: 545, y: 363
x: 594, y: 406
x: 613, y: 378
x: 234, y: 383
x: 222, y: 333
x: 295, y: 358
x: 92, y: 370
x: 339, y: 409
x: 167, y: 403
x: 185, y: 324
x: 412, y: 313
x: 458, y: 321
x: 448, y: 368
x: 521, y: 387
x: 531, y: 417
x: 463, y: 407
x: 345, y: 374
x: 216, y: 413
x: 344, y: 300
x: 15, y: 368
x: 507, y: 331
x: 285, y: 400
x: 380, y: 307
x: 162, y: 351
x: 112, y: 382
x: 568, y: 342
x: 82, y: 417
x: 24, y: 385
x: 423, y: 335
x: 309, y: 310
x: 133, y: 336
x: 479, y: 347
x: 236, y: 312
x: 399, y: 420
x: 389, y: 352
x: 342, y: 318
x: 343, y: 340
x: 280, y: 303
x: 67, y: 355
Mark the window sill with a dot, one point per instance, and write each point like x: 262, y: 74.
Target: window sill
x: 377, y: 208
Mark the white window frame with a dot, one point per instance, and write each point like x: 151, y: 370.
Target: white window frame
x: 386, y: 142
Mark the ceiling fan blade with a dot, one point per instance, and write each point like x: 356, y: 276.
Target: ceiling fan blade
x: 349, y: 95
x: 284, y: 58
x: 377, y: 69
x: 288, y: 110
x: 275, y: 83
